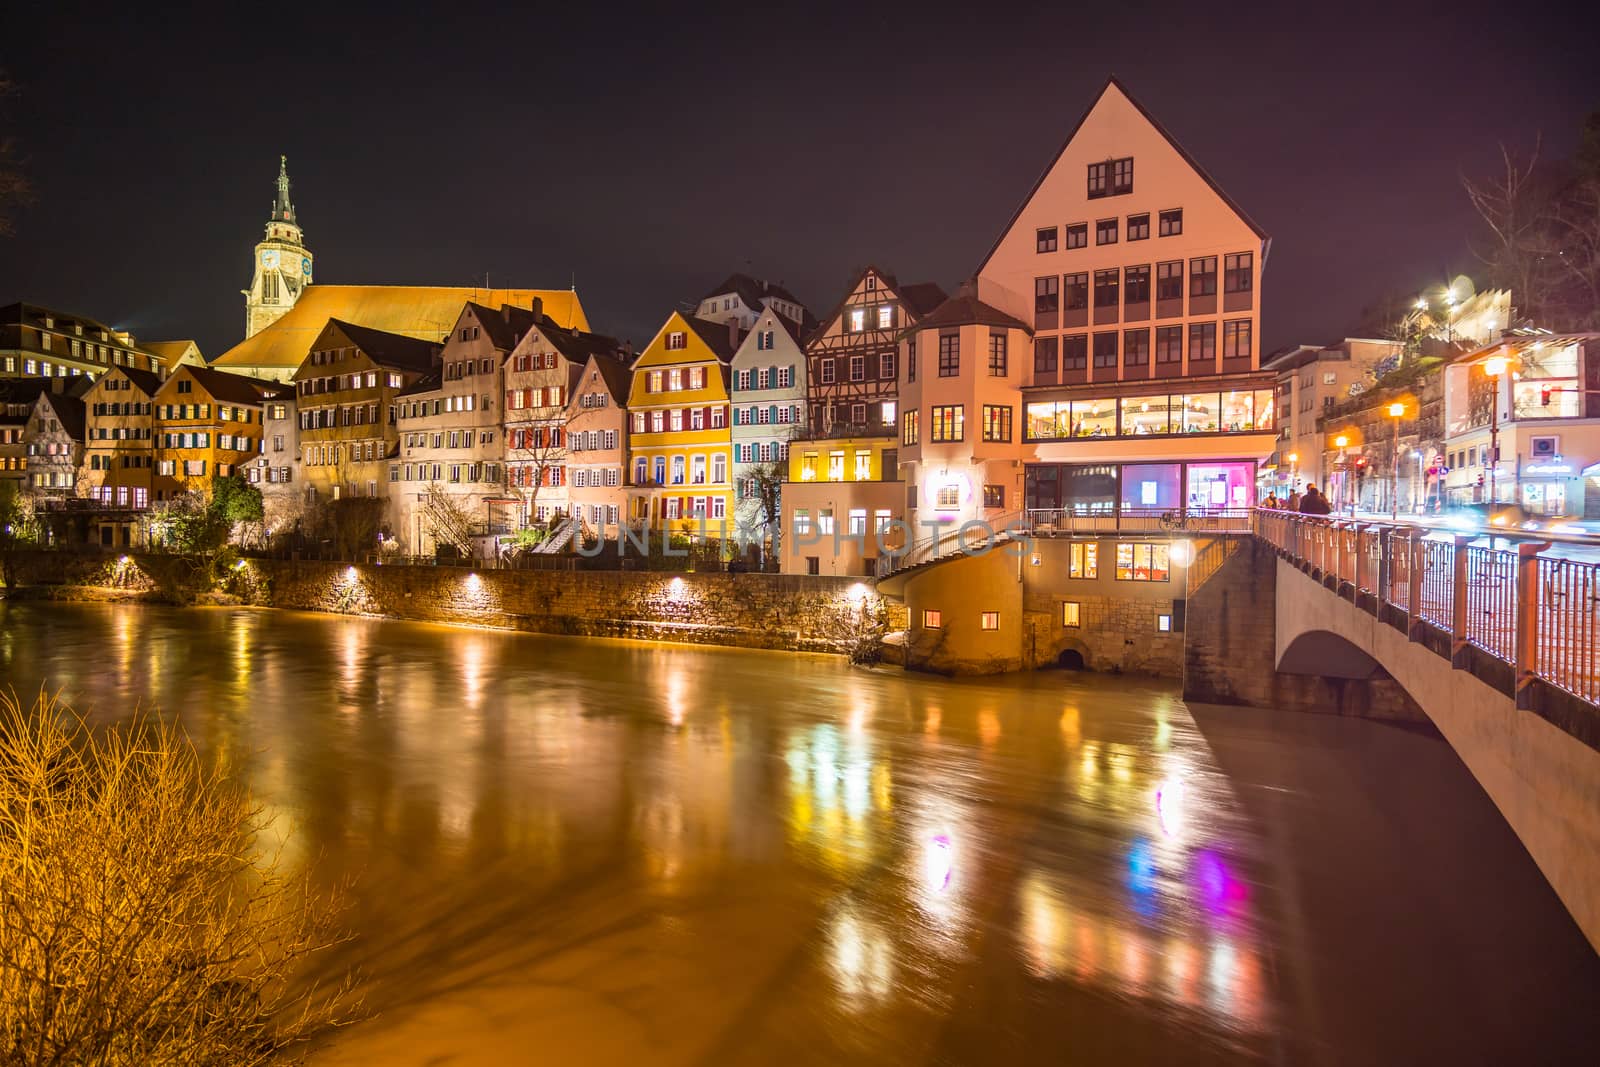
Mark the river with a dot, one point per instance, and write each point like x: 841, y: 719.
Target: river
x: 606, y: 852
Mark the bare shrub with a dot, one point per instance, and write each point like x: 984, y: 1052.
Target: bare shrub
x: 145, y: 917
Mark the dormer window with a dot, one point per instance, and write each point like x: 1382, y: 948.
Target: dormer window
x: 1114, y: 177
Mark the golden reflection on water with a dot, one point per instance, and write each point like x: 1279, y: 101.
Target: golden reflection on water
x: 928, y: 820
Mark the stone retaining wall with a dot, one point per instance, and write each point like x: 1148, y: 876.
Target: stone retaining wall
x: 798, y: 612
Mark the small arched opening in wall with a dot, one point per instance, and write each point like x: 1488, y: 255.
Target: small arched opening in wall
x: 1073, y: 656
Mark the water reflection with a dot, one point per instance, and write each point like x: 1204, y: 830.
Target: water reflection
x: 885, y: 835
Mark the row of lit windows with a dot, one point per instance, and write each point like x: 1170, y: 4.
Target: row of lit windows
x: 336, y: 383
x: 855, y: 368
x: 763, y: 378
x: 1230, y: 411
x: 762, y: 416
x: 685, y: 470
x: 1131, y: 285
x: 487, y: 473
x: 1046, y: 238
x: 675, y: 379
x: 1072, y: 350
x: 948, y: 423
x: 678, y: 419
x: 451, y: 439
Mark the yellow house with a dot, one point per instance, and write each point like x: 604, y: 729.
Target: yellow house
x: 843, y: 505
x: 207, y: 424
x: 680, y: 446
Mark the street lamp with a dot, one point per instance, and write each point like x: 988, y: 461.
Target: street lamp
x: 1494, y: 367
x: 1294, y: 469
x: 1397, y: 411
x: 1344, y: 475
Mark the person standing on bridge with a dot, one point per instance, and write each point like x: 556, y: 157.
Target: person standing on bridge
x: 1314, y: 503
x: 1292, y: 501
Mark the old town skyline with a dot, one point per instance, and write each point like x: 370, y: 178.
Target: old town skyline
x: 638, y: 239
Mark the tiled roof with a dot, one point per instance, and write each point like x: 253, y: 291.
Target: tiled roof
x: 966, y: 310
x: 234, y: 388
x: 714, y: 334
x: 506, y: 326
x: 69, y: 411
x: 147, y: 382
x: 390, y: 349
x: 425, y: 384
x: 423, y: 311
x: 753, y: 291
x: 921, y: 297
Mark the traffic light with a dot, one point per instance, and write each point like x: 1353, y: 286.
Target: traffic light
x: 1544, y: 395
x: 1361, y: 466
x: 1480, y: 481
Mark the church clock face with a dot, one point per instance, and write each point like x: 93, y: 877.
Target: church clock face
x: 305, y: 268
x: 269, y: 260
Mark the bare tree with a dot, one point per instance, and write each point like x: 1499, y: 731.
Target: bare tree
x: 1576, y: 226
x: 1516, y: 210
x: 146, y: 917
x: 766, y: 482
x: 537, y: 449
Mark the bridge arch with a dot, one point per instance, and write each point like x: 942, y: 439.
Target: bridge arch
x: 1327, y: 654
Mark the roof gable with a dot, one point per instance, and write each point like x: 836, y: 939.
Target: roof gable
x: 1112, y: 110
x: 917, y: 299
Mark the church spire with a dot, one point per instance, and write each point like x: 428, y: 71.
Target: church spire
x: 282, y: 210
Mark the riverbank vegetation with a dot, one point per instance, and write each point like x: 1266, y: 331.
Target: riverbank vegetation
x: 146, y: 917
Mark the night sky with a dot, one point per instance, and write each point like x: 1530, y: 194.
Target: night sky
x: 648, y: 157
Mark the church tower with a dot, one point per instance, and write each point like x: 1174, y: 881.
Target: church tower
x: 282, y: 263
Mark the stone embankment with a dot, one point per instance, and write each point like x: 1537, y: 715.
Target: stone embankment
x: 773, y: 611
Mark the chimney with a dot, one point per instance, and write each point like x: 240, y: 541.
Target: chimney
x: 627, y: 351
x: 538, y: 309
x: 733, y: 333
x: 505, y: 312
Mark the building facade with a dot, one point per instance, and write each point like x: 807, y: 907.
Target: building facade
x: 1541, y: 405
x: 17, y: 398
x: 542, y: 376
x: 54, y: 434
x: 119, y: 447
x: 1140, y: 280
x: 597, y: 443
x: 450, y: 469
x: 40, y: 342
x: 843, y: 505
x: 741, y: 299
x: 852, y: 358
x: 282, y: 263
x: 207, y: 425
x: 345, y: 395
x: 769, y: 407
x: 961, y: 428
x: 1312, y: 382
x: 679, y: 445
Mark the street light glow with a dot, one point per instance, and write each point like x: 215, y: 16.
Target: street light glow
x: 1494, y: 366
x: 1341, y: 440
x: 1397, y: 409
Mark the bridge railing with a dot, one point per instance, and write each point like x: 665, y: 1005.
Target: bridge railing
x: 1540, y: 615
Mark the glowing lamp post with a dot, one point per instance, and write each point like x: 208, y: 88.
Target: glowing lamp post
x: 1494, y: 367
x: 1397, y: 411
x: 1294, y: 469
x: 1342, y: 442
